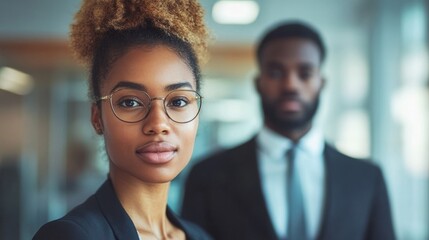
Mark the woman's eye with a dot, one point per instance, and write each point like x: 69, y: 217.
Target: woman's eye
x: 130, y: 103
x: 178, y: 102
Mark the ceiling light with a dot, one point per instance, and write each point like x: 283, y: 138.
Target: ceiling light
x: 235, y: 12
x: 15, y: 81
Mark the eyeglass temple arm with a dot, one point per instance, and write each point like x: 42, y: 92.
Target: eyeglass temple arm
x: 103, y: 98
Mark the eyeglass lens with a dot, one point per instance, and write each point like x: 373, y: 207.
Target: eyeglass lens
x: 131, y: 105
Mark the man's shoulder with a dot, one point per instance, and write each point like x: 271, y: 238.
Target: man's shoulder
x: 194, y: 231
x: 227, y: 157
x: 223, y: 164
x: 348, y: 163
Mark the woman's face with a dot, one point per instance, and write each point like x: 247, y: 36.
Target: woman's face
x: 155, y: 149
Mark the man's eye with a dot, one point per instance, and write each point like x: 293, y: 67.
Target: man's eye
x: 305, y: 75
x: 275, y: 74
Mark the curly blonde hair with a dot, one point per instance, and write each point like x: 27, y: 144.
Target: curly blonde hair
x: 181, y: 18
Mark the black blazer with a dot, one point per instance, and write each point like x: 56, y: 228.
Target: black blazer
x: 103, y: 217
x: 223, y: 195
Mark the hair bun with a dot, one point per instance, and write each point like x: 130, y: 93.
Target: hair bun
x: 182, y: 18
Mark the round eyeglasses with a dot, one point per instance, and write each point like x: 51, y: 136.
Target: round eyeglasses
x: 131, y: 106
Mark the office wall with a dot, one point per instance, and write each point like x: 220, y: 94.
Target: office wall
x: 375, y: 103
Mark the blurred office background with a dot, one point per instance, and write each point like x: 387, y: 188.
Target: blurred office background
x: 376, y: 102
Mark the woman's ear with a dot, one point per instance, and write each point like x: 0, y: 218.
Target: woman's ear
x: 96, y: 119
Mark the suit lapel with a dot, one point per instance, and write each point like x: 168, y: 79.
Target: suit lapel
x: 333, y: 196
x: 115, y: 214
x: 249, y: 191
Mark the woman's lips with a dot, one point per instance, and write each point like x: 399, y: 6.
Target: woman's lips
x: 157, y: 152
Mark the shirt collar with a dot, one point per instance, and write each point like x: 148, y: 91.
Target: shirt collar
x: 312, y: 143
x: 272, y: 144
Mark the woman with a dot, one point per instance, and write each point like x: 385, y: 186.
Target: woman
x: 144, y: 62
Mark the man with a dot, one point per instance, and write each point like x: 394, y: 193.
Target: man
x: 286, y: 182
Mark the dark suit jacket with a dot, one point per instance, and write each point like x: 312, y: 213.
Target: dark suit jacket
x: 103, y: 217
x: 223, y: 195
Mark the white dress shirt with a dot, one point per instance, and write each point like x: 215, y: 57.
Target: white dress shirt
x: 309, y: 161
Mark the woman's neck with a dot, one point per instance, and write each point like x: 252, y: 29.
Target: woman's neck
x: 145, y: 203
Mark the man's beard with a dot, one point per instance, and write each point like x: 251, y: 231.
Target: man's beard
x: 286, y: 121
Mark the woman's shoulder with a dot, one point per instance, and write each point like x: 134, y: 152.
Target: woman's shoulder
x: 62, y: 229
x: 83, y: 222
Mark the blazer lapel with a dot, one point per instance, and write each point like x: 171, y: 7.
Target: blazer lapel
x: 249, y: 191
x: 115, y: 214
x: 333, y: 195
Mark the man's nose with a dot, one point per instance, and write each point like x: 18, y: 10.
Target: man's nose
x: 290, y: 82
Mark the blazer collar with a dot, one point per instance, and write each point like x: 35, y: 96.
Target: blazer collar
x: 118, y: 218
x: 115, y: 214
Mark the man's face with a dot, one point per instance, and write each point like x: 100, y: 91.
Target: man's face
x: 289, y: 83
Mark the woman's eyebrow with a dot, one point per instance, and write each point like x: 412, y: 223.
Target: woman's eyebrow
x: 175, y: 86
x: 127, y: 84
x: 136, y: 86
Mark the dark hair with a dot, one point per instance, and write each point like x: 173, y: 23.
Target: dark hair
x: 293, y: 29
x: 116, y: 43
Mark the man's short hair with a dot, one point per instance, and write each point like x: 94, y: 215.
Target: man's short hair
x: 294, y: 29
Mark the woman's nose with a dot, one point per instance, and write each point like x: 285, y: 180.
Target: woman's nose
x: 157, y: 121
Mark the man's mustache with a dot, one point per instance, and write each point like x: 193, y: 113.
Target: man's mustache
x: 289, y: 96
